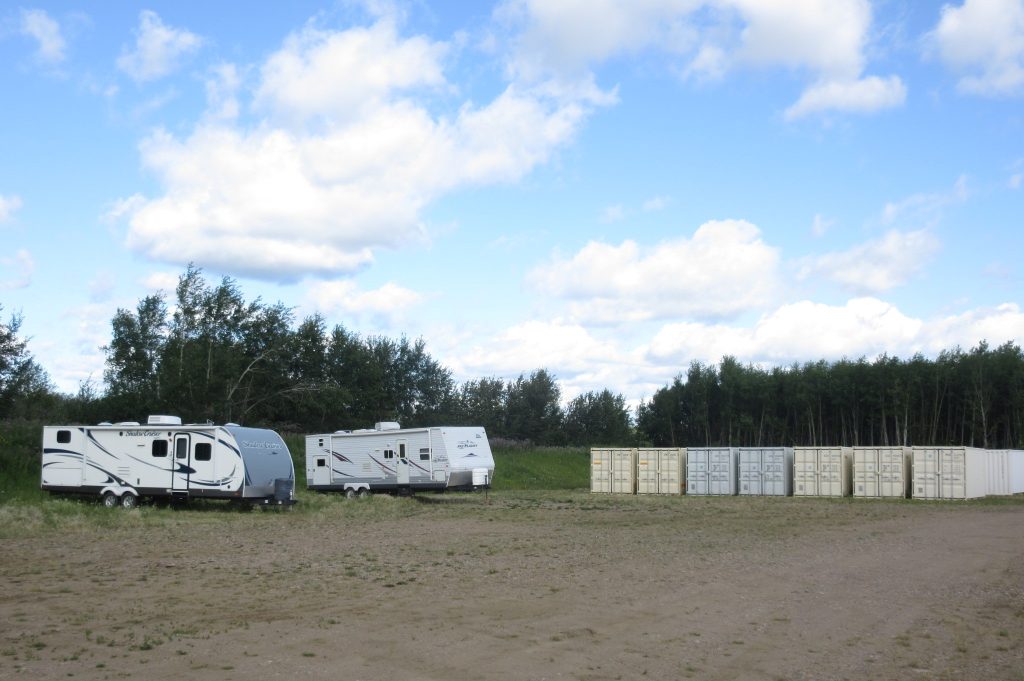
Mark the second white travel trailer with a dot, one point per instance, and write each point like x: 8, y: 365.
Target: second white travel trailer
x: 122, y: 462
x: 390, y: 458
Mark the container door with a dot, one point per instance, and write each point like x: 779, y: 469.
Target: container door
x: 805, y: 478
x: 668, y: 472
x: 750, y: 472
x: 182, y: 463
x: 926, y: 474
x: 773, y: 479
x: 647, y: 472
x: 953, y: 481
x: 830, y: 478
x: 623, y: 475
x: 600, y: 471
x: 402, y: 465
x: 697, y: 471
x: 865, y: 477
x: 721, y: 472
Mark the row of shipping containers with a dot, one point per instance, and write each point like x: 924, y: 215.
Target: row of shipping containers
x: 894, y: 472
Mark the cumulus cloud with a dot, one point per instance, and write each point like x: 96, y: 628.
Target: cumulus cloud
x: 983, y: 40
x: 17, y: 270
x: 9, y: 205
x: 877, y: 265
x: 158, y: 48
x: 161, y: 281
x: 315, y: 190
x: 795, y: 332
x: 823, y: 38
x: 724, y: 269
x: 345, y: 297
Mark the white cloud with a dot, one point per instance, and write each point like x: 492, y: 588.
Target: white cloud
x: 161, y: 281
x: 9, y: 205
x: 37, y: 24
x: 282, y: 200
x: 797, y: 332
x: 724, y: 269
x: 20, y: 268
x: 925, y: 208
x: 984, y: 41
x: 158, y: 48
x: 823, y: 38
x: 222, y: 92
x: 347, y: 74
x: 1015, y: 181
x: 866, y: 95
x: 877, y: 265
x: 343, y: 296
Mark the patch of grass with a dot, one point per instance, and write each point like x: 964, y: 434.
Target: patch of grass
x: 541, y: 468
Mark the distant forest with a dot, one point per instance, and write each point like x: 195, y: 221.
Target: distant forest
x: 213, y: 356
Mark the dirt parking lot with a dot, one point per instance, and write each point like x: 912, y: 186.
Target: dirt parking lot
x: 555, y: 585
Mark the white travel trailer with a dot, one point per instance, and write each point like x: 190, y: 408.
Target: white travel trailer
x: 123, y: 462
x: 390, y: 458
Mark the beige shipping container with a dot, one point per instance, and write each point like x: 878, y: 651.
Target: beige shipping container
x: 955, y: 473
x: 822, y: 471
x: 613, y: 471
x: 660, y: 471
x: 882, y: 471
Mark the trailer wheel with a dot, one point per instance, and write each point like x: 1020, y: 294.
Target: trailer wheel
x: 129, y: 501
x: 350, y: 493
x: 110, y: 500
x: 363, y: 493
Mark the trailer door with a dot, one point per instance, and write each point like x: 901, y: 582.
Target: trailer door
x: 402, y: 464
x: 182, y: 463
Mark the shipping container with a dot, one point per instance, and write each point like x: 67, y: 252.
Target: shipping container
x: 711, y: 470
x: 997, y: 480
x: 1016, y: 462
x: 882, y: 471
x: 950, y: 472
x: 613, y: 471
x: 766, y: 471
x: 822, y: 471
x: 660, y: 471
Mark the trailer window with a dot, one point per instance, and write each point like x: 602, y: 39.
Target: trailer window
x: 181, y: 448
x: 160, y: 448
x: 321, y: 463
x: 425, y: 454
x: 389, y: 453
x: 204, y: 451
x: 401, y: 451
x: 63, y: 436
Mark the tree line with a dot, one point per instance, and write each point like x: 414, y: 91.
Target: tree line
x: 973, y: 398
x: 211, y: 355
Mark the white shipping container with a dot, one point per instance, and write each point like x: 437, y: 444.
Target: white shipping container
x: 950, y: 472
x: 881, y: 471
x: 711, y: 470
x: 766, y: 471
x: 1016, y: 465
x: 822, y: 471
x: 659, y: 471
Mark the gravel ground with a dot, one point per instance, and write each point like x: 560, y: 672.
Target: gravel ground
x: 517, y: 586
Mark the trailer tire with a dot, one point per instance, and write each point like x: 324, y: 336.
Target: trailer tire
x: 110, y: 500
x: 129, y: 501
x: 363, y: 493
x: 350, y: 493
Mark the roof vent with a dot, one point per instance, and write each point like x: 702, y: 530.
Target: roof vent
x: 158, y: 420
x: 387, y: 425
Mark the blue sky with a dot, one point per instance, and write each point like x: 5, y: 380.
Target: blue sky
x: 606, y: 190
